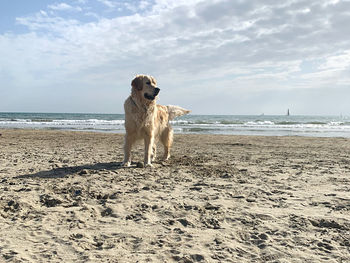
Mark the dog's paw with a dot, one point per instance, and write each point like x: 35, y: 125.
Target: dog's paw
x: 125, y: 164
x: 148, y: 165
x: 166, y: 157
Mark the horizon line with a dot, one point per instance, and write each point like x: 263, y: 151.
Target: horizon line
x: 199, y: 114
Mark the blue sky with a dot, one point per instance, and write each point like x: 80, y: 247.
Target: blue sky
x: 213, y: 57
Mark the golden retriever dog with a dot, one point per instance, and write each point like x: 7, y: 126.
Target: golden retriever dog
x: 145, y: 120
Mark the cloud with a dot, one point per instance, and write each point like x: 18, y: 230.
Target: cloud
x: 64, y: 7
x: 133, y: 6
x: 206, y: 30
x: 45, y: 21
x: 108, y: 3
x: 144, y: 4
x: 337, y: 62
x: 225, y: 45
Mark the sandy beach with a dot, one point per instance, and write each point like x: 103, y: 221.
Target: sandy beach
x: 64, y: 198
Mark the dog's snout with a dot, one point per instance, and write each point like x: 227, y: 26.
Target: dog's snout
x: 156, y: 91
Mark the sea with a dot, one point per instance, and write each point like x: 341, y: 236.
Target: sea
x: 266, y: 125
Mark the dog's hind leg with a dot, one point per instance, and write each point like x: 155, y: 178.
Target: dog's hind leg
x: 167, y: 139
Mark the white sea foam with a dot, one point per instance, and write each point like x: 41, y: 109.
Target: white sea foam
x: 88, y: 124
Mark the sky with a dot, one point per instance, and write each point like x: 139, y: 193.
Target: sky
x: 211, y: 56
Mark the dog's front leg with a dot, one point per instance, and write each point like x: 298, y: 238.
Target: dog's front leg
x: 127, y: 150
x: 149, y: 141
x: 154, y: 152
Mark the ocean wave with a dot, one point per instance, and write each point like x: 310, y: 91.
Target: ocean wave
x: 287, y: 123
x: 186, y: 123
x: 89, y: 121
x: 205, y: 122
x: 62, y: 122
x: 317, y: 122
x: 230, y: 122
x: 197, y: 124
x: 18, y: 120
x: 41, y: 120
x: 270, y: 123
x: 199, y: 129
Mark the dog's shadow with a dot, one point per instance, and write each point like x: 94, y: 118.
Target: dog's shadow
x: 62, y: 172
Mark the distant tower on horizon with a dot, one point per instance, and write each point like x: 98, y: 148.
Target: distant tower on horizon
x: 288, y: 112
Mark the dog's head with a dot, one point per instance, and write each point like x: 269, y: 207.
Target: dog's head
x: 145, y: 87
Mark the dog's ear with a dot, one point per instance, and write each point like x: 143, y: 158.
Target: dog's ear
x: 137, y: 82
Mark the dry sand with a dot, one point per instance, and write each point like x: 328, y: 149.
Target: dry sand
x: 63, y: 198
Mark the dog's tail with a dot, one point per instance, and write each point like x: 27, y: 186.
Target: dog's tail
x: 176, y: 111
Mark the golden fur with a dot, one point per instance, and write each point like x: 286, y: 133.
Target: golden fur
x: 146, y: 120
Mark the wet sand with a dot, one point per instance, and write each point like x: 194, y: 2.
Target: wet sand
x: 64, y: 198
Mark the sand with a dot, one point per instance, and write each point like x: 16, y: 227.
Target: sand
x: 63, y: 198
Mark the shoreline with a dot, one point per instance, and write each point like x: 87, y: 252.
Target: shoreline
x: 220, y: 198
x: 92, y: 131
